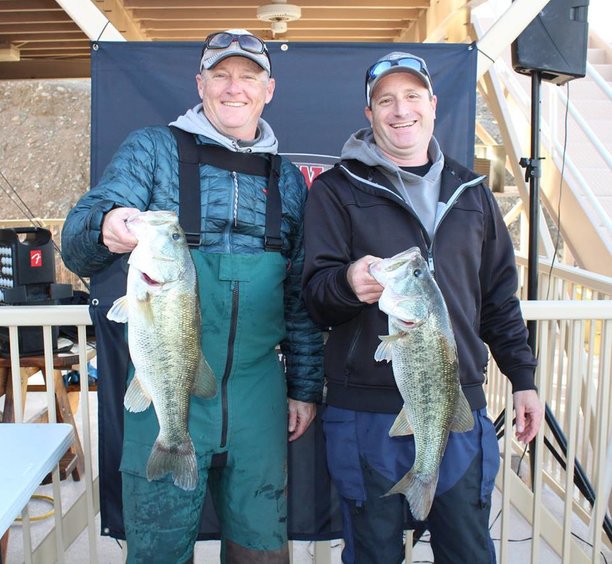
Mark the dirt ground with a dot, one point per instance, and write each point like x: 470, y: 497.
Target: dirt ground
x: 44, y: 146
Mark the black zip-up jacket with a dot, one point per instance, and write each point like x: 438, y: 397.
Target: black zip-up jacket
x: 352, y: 211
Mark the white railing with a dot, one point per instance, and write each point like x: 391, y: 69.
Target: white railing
x: 563, y: 282
x: 81, y: 515
x: 599, y: 80
x: 573, y: 378
x: 575, y: 347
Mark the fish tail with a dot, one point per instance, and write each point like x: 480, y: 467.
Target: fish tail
x: 180, y: 461
x: 419, y: 490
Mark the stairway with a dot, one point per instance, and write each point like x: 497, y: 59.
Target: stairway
x: 596, y: 108
x: 583, y: 198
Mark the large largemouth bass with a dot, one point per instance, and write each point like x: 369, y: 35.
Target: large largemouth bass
x: 162, y: 310
x: 422, y: 349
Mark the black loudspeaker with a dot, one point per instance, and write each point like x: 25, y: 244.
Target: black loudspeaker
x: 555, y: 42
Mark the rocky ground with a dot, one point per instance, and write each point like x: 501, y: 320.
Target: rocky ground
x: 44, y: 146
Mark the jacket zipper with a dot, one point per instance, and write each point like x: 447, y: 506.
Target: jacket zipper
x: 451, y: 202
x: 229, y: 362
x: 424, y: 236
x: 449, y: 205
x: 232, y: 214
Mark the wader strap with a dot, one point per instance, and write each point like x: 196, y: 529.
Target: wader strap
x: 192, y: 155
x: 272, y: 240
x: 190, y: 213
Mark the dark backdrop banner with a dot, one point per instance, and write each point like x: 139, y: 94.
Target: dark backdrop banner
x: 319, y: 101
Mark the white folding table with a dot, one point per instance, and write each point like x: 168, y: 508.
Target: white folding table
x: 29, y: 451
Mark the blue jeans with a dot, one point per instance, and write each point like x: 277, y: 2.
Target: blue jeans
x: 365, y: 463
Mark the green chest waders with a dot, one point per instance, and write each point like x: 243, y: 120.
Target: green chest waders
x: 240, y: 435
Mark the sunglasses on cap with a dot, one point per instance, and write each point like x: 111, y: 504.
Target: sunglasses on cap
x: 223, y: 39
x: 380, y: 67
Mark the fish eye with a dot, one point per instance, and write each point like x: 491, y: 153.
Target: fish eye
x: 417, y: 272
x: 176, y: 236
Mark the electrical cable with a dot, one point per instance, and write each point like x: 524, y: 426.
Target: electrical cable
x: 44, y: 516
x: 11, y: 194
x: 558, y: 218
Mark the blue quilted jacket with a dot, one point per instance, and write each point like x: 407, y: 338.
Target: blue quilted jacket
x: 143, y: 174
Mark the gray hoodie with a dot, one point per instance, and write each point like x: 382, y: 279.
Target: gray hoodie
x: 194, y: 121
x: 420, y: 193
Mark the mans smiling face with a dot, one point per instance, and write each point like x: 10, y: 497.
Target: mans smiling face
x: 234, y: 93
x: 402, y: 116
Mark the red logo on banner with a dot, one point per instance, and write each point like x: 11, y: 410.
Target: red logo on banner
x: 311, y: 165
x: 36, y: 258
x: 310, y: 172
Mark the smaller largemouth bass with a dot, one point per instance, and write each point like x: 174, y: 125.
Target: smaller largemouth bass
x: 422, y: 349
x: 161, y: 308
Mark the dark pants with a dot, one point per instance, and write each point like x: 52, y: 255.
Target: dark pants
x: 365, y: 463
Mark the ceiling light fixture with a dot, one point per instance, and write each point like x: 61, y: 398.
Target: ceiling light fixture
x: 278, y: 14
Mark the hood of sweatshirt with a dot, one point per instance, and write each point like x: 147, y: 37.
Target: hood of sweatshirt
x: 361, y: 146
x: 194, y: 121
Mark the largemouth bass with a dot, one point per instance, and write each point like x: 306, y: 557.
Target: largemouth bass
x: 161, y: 308
x: 422, y: 350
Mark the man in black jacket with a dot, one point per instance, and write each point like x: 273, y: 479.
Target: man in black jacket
x: 394, y: 189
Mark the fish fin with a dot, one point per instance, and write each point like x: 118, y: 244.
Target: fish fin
x: 384, y: 350
x: 419, y: 490
x: 180, y: 461
x: 144, y: 305
x: 205, y: 384
x: 119, y: 310
x: 401, y: 426
x: 463, y: 419
x: 136, y: 398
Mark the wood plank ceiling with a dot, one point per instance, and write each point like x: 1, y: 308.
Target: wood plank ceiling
x: 38, y: 39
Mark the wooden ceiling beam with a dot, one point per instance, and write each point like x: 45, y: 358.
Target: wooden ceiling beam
x: 165, y: 30
x: 321, y: 4
x: 50, y: 68
x: 313, y: 14
x: 291, y: 35
x: 34, y: 17
x: 60, y: 54
x: 9, y: 52
x: 52, y: 45
x: 320, y: 35
x: 29, y: 5
x: 122, y: 19
x: 20, y: 29
x: 446, y: 20
x: 38, y: 37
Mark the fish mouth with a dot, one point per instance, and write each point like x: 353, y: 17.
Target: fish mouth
x: 148, y: 280
x: 407, y: 324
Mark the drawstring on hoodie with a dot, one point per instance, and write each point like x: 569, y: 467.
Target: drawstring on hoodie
x: 235, y: 179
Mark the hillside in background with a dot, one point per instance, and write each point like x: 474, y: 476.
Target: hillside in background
x: 44, y: 146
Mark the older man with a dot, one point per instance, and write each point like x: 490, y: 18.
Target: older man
x: 394, y: 189
x: 242, y: 210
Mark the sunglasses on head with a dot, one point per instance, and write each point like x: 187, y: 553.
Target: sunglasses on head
x: 409, y: 62
x: 223, y: 39
x: 381, y: 66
